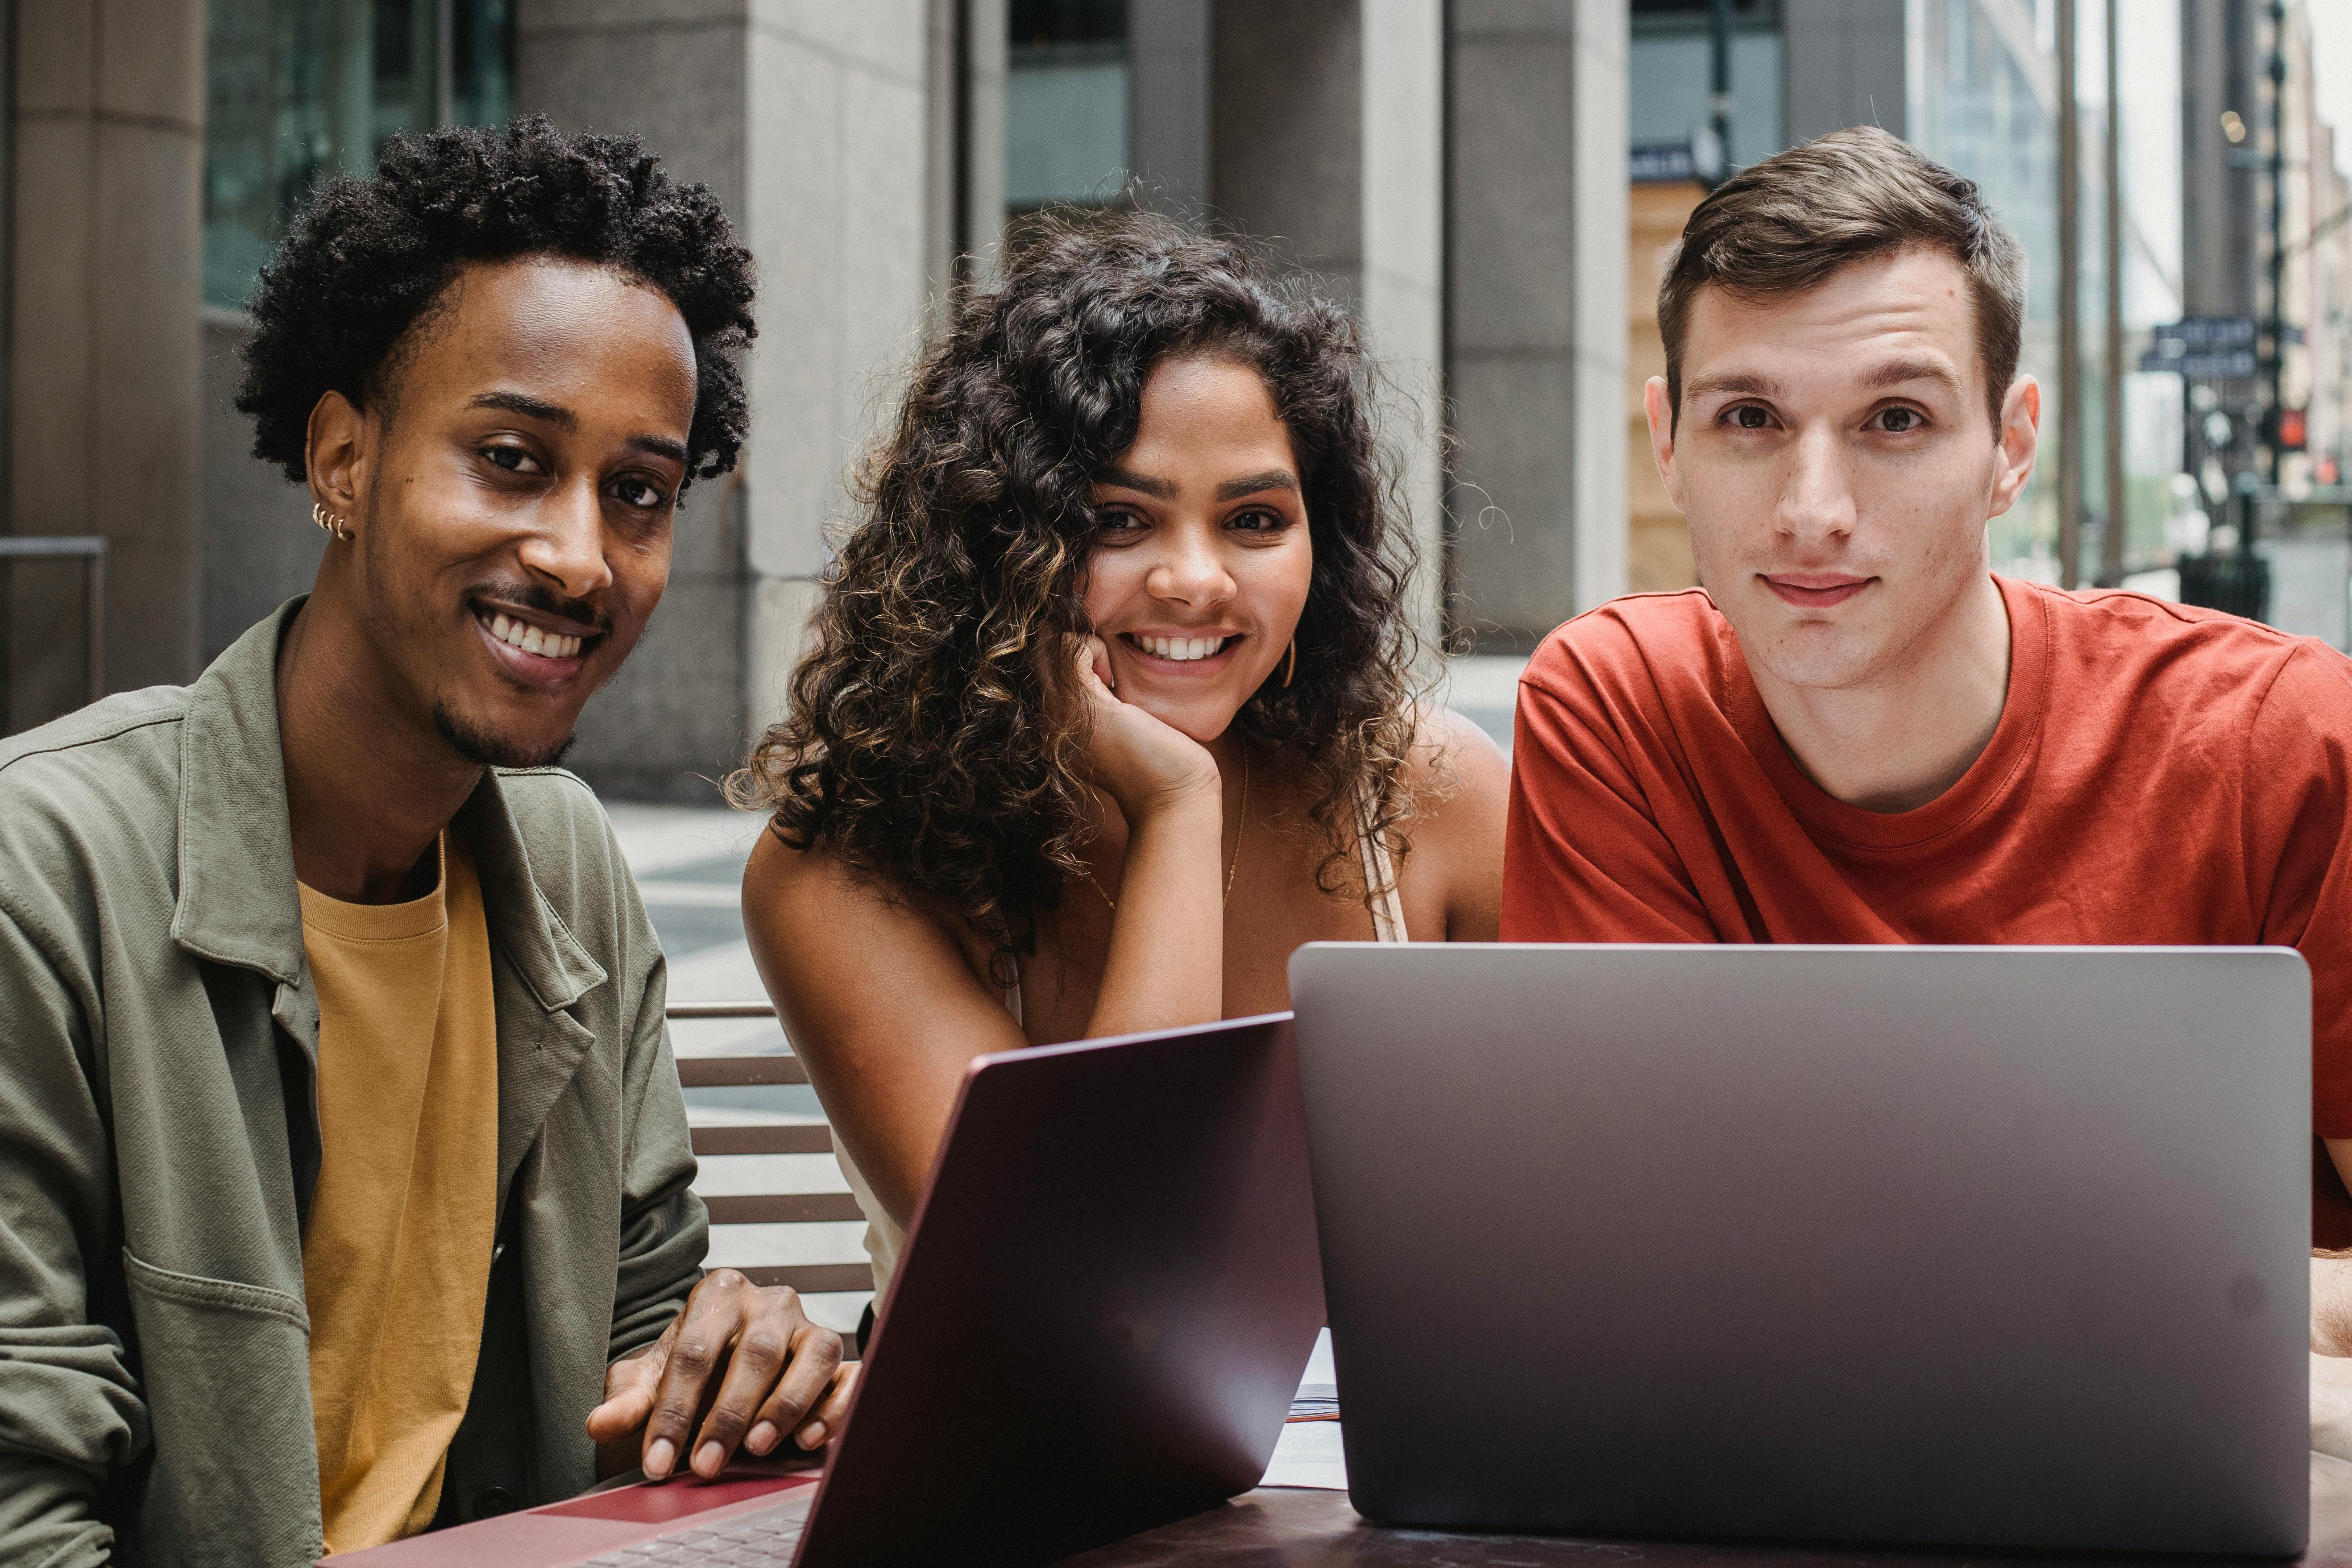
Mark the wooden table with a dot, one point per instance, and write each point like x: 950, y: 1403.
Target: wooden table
x: 1283, y: 1529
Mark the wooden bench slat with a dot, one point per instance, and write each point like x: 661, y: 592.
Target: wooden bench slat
x: 808, y: 1138
x: 782, y: 1208
x: 739, y: 1072
x: 810, y: 1279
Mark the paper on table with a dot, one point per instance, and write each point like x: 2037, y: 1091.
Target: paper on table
x: 1320, y: 1366
x: 1308, y: 1453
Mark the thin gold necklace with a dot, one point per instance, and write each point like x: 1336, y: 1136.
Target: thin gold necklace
x: 1240, y: 827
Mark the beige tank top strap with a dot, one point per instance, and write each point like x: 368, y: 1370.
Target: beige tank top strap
x: 1379, y: 877
x: 1010, y: 963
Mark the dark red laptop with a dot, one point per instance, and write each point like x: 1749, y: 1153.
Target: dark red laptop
x: 1103, y: 1307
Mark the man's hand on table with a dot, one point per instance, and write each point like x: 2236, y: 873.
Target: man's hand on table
x: 745, y: 1360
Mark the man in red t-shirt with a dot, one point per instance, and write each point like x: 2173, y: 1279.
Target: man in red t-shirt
x: 1855, y: 731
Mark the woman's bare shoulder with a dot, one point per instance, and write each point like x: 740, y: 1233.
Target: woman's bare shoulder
x: 779, y: 869
x: 820, y: 930
x: 789, y: 887
x: 1462, y: 796
x: 1451, y: 756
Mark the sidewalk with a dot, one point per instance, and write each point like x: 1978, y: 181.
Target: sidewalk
x: 688, y: 863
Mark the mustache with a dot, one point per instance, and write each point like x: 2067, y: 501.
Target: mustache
x: 537, y: 597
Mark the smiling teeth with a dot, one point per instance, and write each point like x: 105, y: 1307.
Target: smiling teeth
x: 530, y: 639
x: 1182, y: 648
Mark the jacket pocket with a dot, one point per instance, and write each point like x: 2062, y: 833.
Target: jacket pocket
x: 226, y: 1368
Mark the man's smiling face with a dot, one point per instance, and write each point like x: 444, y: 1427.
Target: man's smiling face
x: 515, y: 492
x: 1837, y: 463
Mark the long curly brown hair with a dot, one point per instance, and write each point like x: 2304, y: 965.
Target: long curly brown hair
x: 935, y: 735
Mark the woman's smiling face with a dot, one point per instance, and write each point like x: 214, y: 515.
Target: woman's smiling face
x: 1199, y: 575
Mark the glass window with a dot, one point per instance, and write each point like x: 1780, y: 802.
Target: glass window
x: 481, y: 62
x: 1064, y: 103
x: 1983, y: 95
x: 2149, y: 149
x: 1984, y: 101
x: 298, y: 90
x: 1670, y: 76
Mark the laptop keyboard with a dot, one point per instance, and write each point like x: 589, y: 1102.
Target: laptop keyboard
x: 762, y: 1539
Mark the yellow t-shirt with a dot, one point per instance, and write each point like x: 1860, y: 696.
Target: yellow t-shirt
x: 397, y: 1259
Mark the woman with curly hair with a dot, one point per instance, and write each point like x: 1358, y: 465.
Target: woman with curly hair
x: 1108, y: 706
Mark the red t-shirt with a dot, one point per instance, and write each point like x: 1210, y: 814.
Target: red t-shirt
x: 2159, y: 776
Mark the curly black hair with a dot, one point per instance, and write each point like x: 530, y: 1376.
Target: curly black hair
x: 368, y: 257
x: 933, y: 733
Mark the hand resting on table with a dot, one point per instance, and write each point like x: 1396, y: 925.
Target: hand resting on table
x: 743, y: 1360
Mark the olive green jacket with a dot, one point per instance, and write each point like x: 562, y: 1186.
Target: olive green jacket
x: 159, y: 1136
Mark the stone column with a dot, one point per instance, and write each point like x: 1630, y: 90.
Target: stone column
x: 1326, y: 142
x: 810, y: 121
x: 1169, y: 51
x: 1537, y: 283
x: 1598, y: 257
x: 836, y: 211
x: 107, y: 270
x: 1843, y: 65
x: 984, y: 68
x: 1403, y: 268
x: 1285, y: 139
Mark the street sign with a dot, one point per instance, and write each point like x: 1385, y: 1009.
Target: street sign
x: 2194, y: 333
x: 2204, y: 347
x: 1700, y: 159
x: 1664, y: 163
x: 2228, y: 363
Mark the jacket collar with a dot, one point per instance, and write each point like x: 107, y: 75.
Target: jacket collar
x: 237, y: 901
x: 540, y: 1047
x: 550, y: 960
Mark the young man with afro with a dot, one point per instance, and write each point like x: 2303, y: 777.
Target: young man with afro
x: 343, y: 1170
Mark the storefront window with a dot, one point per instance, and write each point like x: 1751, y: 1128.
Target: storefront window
x: 1669, y: 96
x: 1984, y: 103
x: 298, y: 91
x: 1065, y: 96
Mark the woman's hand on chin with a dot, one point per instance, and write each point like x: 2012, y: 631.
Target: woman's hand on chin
x: 1145, y: 764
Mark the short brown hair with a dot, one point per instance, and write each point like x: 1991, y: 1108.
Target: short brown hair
x: 1787, y: 224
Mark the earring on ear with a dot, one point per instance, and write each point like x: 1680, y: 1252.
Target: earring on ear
x: 1290, y: 666
x: 329, y: 521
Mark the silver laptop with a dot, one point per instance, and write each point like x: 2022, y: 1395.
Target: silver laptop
x: 1981, y: 1245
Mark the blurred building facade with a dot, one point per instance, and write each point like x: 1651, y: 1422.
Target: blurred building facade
x: 1492, y: 183
x: 1428, y: 162
x: 2129, y: 143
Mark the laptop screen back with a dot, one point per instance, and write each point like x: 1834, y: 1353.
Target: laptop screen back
x: 1102, y: 1312
x: 1985, y: 1246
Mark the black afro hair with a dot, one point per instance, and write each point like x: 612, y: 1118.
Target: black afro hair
x: 367, y: 258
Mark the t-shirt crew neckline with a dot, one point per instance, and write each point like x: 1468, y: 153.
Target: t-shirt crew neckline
x: 1988, y: 781
x: 382, y: 923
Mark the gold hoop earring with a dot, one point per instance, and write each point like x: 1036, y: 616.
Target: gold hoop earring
x: 329, y: 521
x: 1290, y: 666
